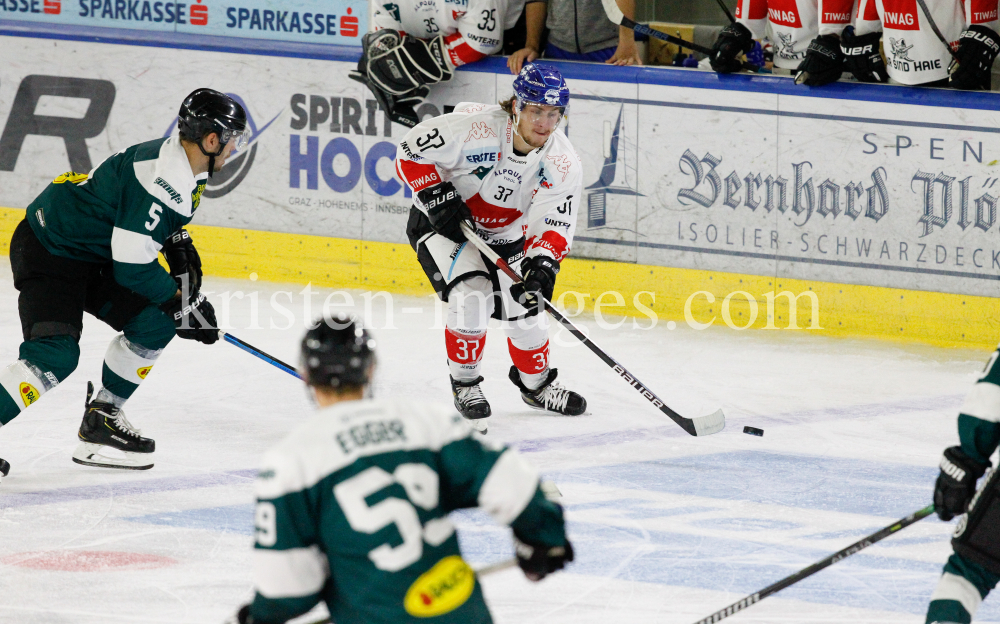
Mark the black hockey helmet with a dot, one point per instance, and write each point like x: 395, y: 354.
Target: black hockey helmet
x: 206, y: 111
x: 337, y: 352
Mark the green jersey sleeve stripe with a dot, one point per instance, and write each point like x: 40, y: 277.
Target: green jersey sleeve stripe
x: 983, y: 402
x: 508, y: 488
x: 292, y: 573
x: 133, y: 248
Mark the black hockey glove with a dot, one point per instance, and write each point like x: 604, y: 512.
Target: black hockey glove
x: 861, y: 56
x: 956, y: 484
x: 184, y: 260
x: 977, y: 49
x: 539, y: 274
x: 194, y: 320
x: 824, y: 62
x: 243, y: 617
x: 537, y: 561
x: 445, y: 210
x: 734, y: 40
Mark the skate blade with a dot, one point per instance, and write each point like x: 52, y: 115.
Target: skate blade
x: 88, y: 454
x: 480, y: 424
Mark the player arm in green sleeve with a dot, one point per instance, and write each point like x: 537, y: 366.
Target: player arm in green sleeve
x: 504, y: 484
x: 135, y: 245
x: 289, y: 568
x: 979, y: 418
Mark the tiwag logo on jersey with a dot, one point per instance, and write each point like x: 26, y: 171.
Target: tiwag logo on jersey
x: 238, y: 166
x: 784, y: 13
x: 480, y: 130
x: 900, y: 14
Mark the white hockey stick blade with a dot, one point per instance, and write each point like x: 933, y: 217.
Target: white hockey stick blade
x: 707, y: 425
x: 614, y: 13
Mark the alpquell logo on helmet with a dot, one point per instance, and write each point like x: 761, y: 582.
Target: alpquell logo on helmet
x: 237, y: 168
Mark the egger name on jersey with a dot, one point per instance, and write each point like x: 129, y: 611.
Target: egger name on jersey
x: 536, y: 196
x: 914, y: 54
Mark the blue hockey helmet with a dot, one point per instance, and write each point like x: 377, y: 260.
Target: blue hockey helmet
x: 542, y: 85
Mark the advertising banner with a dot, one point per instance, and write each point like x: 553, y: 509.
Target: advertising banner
x: 813, y: 188
x: 340, y: 22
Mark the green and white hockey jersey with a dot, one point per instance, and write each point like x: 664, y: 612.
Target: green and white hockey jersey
x: 979, y: 418
x: 122, y: 211
x: 352, y: 509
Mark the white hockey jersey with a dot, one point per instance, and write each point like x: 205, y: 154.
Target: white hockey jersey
x: 536, y: 196
x: 914, y: 55
x: 473, y: 29
x: 793, y: 24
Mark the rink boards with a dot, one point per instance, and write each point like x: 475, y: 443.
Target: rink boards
x: 697, y: 187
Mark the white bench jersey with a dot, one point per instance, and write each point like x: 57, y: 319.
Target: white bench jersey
x: 472, y: 29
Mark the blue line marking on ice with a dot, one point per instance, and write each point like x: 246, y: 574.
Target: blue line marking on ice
x: 455, y: 261
x: 127, y: 488
x: 230, y: 519
x: 801, y: 481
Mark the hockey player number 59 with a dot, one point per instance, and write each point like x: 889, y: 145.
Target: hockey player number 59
x: 421, y: 485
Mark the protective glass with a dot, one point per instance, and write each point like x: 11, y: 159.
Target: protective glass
x: 547, y: 117
x: 240, y: 139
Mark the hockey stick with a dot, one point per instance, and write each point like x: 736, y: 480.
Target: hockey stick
x: 481, y: 572
x: 725, y: 10
x: 700, y: 426
x: 930, y: 22
x: 252, y: 350
x: 854, y: 548
x: 615, y: 15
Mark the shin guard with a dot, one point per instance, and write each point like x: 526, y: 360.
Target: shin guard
x: 24, y: 383
x: 465, y: 352
x: 125, y: 366
x: 533, y: 364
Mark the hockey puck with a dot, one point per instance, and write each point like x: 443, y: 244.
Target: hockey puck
x: 754, y: 431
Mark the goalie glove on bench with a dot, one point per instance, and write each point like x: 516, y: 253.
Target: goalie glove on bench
x: 399, y: 64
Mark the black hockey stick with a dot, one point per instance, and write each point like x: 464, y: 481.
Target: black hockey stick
x: 483, y: 571
x: 615, y: 15
x: 725, y: 10
x: 700, y: 426
x: 854, y: 548
x: 937, y: 31
x: 252, y: 350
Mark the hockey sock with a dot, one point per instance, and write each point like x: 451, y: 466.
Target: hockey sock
x: 465, y: 352
x: 960, y: 591
x: 125, y: 366
x: 43, y: 364
x: 532, y: 363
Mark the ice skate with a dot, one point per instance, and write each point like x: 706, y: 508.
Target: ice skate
x: 4, y: 468
x: 105, y: 427
x: 550, y: 396
x: 471, y: 403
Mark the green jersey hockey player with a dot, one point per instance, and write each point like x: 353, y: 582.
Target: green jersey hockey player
x: 352, y: 507
x: 974, y: 568
x: 89, y: 243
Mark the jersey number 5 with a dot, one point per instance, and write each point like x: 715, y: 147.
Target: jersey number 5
x: 421, y: 485
x: 154, y: 217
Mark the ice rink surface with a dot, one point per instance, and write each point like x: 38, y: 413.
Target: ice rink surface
x: 667, y: 528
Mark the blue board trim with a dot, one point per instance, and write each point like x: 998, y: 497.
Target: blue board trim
x: 661, y: 76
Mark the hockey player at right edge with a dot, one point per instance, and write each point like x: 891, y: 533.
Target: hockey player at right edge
x: 974, y: 569
x: 508, y: 170
x: 352, y: 507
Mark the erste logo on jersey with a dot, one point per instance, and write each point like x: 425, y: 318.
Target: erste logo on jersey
x: 784, y: 13
x: 443, y: 588
x: 562, y: 164
x: 480, y: 130
x: 900, y: 14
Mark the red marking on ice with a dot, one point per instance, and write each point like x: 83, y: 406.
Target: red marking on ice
x: 86, y: 560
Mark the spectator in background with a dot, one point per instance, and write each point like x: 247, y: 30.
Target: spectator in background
x: 579, y: 30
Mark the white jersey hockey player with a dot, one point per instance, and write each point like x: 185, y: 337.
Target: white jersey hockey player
x: 507, y: 169
x: 914, y: 53
x: 417, y: 43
